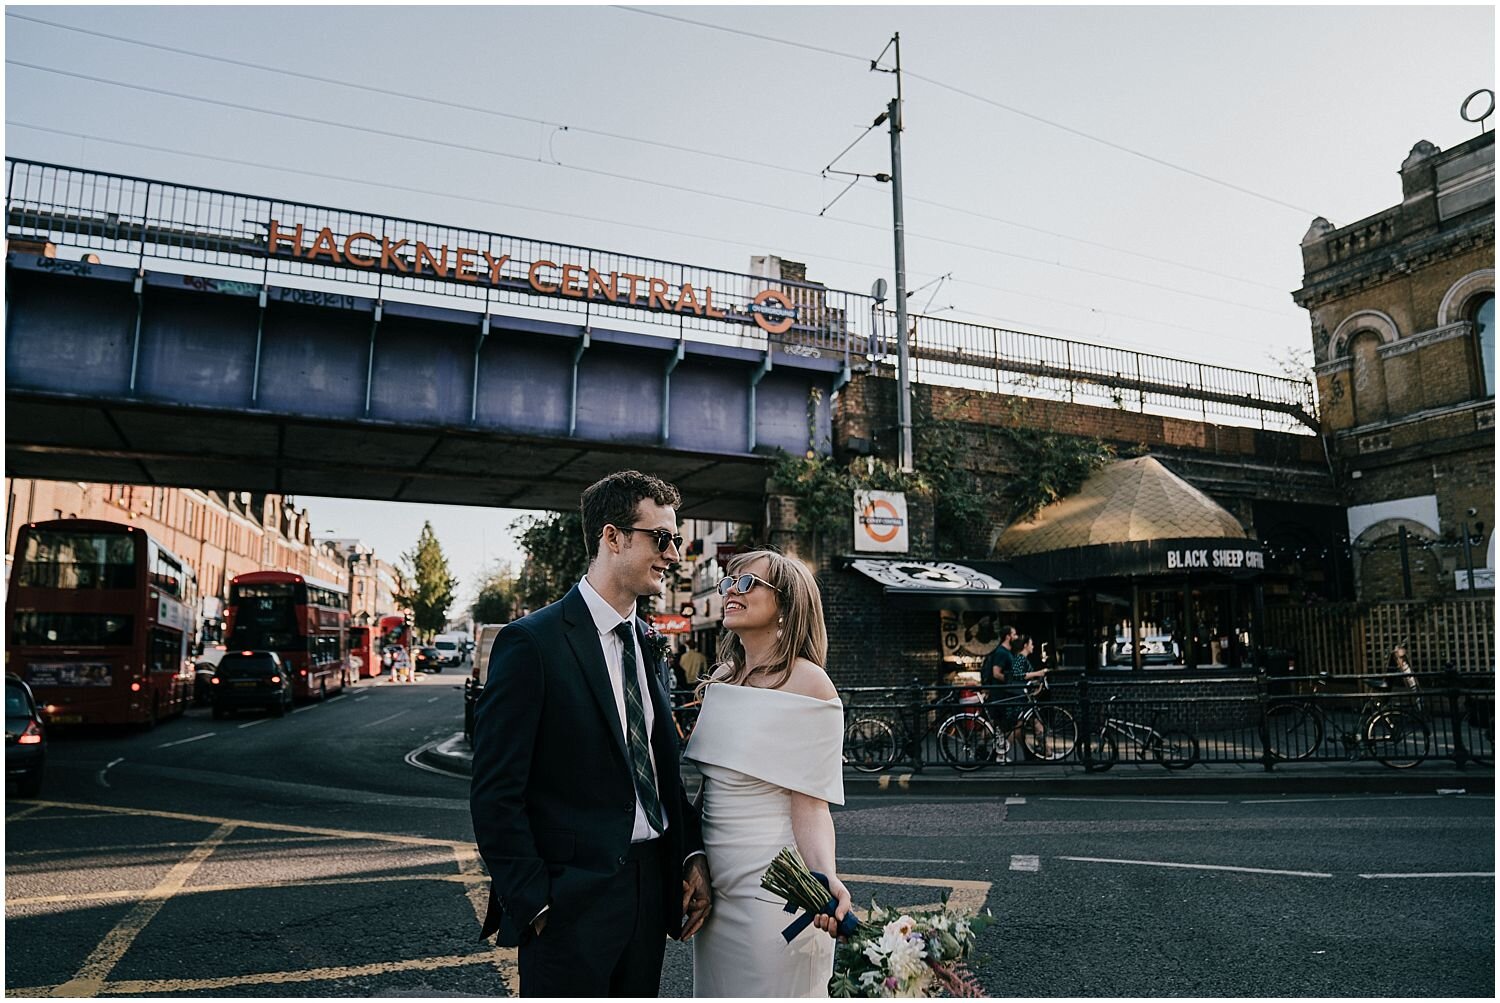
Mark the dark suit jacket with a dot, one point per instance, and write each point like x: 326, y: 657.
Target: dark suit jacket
x: 552, y: 797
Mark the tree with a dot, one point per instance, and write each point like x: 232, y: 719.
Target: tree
x: 498, y: 597
x: 555, y: 556
x: 429, y: 585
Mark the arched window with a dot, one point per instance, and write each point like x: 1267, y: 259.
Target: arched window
x: 1368, y: 377
x: 1483, y: 314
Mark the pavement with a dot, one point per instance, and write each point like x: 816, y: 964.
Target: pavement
x: 453, y: 756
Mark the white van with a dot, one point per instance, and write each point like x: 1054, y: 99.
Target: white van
x: 450, y: 648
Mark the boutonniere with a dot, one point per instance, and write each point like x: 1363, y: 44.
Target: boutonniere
x: 656, y: 645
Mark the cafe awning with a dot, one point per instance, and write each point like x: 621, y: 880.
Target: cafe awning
x: 943, y: 585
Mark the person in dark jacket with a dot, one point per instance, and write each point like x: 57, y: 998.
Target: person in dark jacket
x: 594, y: 853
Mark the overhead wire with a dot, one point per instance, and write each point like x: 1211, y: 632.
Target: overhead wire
x: 624, y: 137
x: 1120, y: 147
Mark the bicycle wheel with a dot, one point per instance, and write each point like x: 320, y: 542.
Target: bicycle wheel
x: 1397, y: 738
x: 1104, y: 752
x: 1049, y: 733
x: 1293, y: 731
x: 1175, y: 749
x: 870, y: 744
x: 966, y: 741
x: 687, y: 719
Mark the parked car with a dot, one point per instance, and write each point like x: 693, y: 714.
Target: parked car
x: 479, y: 668
x: 25, y: 738
x: 428, y: 659
x: 251, y: 679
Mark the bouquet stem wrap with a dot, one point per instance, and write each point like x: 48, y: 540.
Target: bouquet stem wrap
x: 800, y: 887
x: 848, y: 926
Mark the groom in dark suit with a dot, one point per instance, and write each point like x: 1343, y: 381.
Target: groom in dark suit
x: 595, y: 856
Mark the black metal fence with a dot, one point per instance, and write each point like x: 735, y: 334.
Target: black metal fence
x: 1445, y: 718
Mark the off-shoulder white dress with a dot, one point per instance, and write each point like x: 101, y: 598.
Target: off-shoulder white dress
x: 754, y: 747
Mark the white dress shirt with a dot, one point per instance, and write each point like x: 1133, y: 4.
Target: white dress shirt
x: 606, y: 619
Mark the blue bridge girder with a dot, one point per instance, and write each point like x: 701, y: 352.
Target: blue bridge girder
x: 127, y: 376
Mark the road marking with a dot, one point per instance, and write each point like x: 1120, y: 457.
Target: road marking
x: 433, y: 700
x: 385, y: 719
x: 168, y: 845
x: 966, y: 896
x: 252, y: 724
x: 1131, y: 800
x: 311, y: 706
x: 1199, y: 867
x: 332, y: 699
x: 185, y: 741
x: 102, y: 960
x: 505, y: 957
x: 139, y: 987
x: 355, y: 834
x: 24, y: 812
x: 898, y: 860
x: 243, y: 886
x: 1436, y: 874
x: 1369, y: 797
x: 411, y: 758
x: 1015, y: 800
x: 1021, y: 862
x: 358, y: 699
x: 99, y: 777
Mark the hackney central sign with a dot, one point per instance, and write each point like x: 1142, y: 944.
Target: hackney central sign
x: 771, y: 309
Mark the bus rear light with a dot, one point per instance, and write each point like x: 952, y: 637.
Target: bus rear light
x: 135, y: 687
x: 31, y: 736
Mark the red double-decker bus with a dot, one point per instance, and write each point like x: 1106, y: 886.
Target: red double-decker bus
x: 101, y: 616
x: 303, y: 620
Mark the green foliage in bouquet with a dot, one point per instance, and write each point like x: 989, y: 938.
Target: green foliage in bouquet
x: 909, y: 954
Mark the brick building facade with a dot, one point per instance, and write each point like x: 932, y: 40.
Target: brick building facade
x: 218, y: 534
x: 1402, y: 311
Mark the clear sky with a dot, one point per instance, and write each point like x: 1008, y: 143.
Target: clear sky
x: 1238, y: 126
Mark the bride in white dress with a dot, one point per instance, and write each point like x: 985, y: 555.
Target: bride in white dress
x: 768, y: 743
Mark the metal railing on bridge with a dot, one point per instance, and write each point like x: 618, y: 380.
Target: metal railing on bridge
x: 236, y: 242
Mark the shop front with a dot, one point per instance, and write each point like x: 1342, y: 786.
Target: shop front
x: 1153, y: 574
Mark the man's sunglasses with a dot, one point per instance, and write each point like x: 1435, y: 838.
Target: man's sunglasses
x: 664, y: 539
x: 743, y: 584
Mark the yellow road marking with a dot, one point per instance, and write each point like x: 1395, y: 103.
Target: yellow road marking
x: 250, y: 886
x: 139, y: 987
x: 506, y: 961
x: 268, y: 826
x: 24, y: 812
x: 172, y: 845
x: 102, y: 960
x: 966, y: 896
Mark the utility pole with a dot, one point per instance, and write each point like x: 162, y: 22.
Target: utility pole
x: 903, y: 370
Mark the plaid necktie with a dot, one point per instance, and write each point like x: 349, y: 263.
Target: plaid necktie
x: 635, y: 731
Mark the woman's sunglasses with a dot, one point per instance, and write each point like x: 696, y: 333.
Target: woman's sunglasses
x: 664, y: 539
x: 743, y: 584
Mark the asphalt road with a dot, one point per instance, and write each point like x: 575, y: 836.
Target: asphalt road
x: 306, y: 856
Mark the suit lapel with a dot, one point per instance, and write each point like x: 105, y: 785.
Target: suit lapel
x: 583, y: 638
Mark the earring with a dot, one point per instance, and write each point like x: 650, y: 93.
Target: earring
x: 779, y: 621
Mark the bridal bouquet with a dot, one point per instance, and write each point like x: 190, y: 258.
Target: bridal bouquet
x: 911, y: 954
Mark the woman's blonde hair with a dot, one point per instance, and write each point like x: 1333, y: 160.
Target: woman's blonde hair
x: 803, y: 634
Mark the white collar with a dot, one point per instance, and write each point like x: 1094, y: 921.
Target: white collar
x: 606, y: 617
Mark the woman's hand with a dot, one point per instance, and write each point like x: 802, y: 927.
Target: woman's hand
x: 830, y: 924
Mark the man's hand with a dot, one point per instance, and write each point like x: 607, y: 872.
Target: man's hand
x: 830, y: 924
x: 697, y: 895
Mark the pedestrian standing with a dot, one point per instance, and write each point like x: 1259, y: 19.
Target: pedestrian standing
x: 693, y: 664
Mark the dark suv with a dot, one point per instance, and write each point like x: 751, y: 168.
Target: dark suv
x: 25, y: 738
x: 251, y: 679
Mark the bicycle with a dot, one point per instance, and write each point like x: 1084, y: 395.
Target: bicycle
x: 684, y: 719
x: 969, y: 739
x: 874, y: 741
x: 1393, y: 736
x: 1174, y: 748
x: 1476, y: 725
